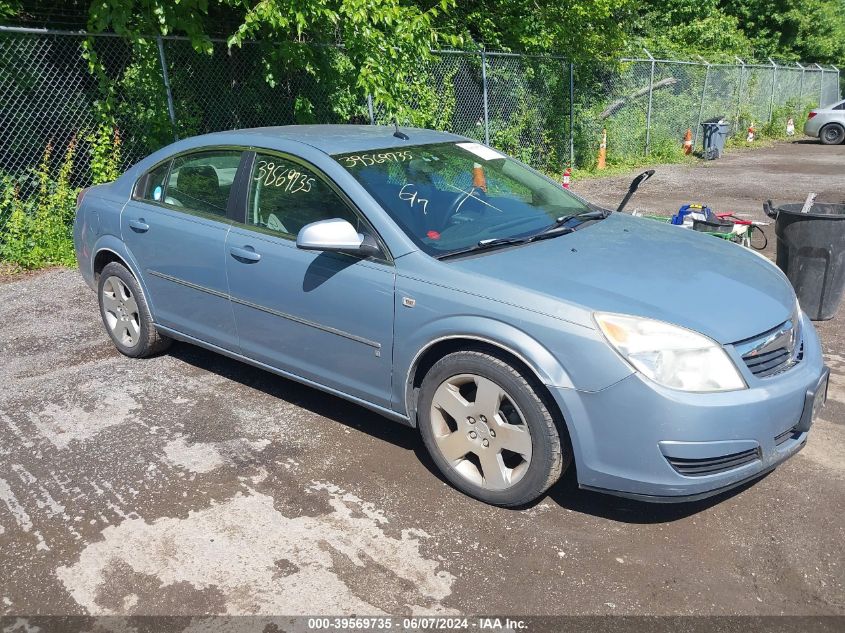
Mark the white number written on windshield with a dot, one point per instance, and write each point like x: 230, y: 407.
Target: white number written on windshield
x: 372, y: 159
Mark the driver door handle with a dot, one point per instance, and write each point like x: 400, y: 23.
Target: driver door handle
x: 246, y: 254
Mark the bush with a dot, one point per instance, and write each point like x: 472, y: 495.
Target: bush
x: 37, y: 232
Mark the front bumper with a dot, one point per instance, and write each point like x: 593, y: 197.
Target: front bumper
x: 641, y: 440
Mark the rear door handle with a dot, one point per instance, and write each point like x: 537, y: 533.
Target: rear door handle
x: 139, y: 226
x: 246, y: 254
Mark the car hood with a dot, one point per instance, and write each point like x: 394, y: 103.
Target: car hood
x: 645, y: 268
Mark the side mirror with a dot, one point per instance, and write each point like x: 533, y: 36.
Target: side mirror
x: 338, y: 236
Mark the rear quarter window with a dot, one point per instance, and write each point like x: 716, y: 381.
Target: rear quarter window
x: 150, y: 186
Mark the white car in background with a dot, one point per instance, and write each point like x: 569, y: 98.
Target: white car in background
x: 827, y: 124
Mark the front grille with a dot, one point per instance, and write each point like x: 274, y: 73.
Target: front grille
x: 789, y: 434
x: 775, y: 351
x: 713, y: 465
x: 769, y: 363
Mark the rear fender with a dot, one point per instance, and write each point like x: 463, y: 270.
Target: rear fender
x: 114, y: 245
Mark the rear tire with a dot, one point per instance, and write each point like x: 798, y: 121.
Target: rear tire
x: 832, y: 134
x: 489, y: 430
x: 125, y: 314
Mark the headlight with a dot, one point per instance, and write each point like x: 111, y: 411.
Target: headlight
x: 669, y: 355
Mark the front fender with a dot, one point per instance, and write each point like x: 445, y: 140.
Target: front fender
x: 409, y: 350
x: 561, y: 354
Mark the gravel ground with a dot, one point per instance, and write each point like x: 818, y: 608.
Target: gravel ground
x: 190, y: 483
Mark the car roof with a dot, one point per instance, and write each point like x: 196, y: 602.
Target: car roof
x: 340, y: 139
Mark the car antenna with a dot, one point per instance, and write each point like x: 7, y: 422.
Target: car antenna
x: 635, y: 184
x: 397, y: 133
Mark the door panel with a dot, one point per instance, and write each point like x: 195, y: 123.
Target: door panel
x: 182, y: 261
x: 176, y: 228
x: 325, y: 317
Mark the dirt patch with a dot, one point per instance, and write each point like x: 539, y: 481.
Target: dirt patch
x: 10, y: 273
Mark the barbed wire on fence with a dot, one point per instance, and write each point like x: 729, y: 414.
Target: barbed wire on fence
x: 541, y: 109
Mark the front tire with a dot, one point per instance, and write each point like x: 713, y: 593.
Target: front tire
x: 489, y: 430
x: 126, y: 315
x: 832, y: 134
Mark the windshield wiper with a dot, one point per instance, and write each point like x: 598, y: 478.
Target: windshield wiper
x: 485, y: 244
x: 584, y: 216
x: 558, y: 227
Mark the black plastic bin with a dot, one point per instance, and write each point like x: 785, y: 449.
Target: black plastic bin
x: 714, y: 135
x: 811, y: 252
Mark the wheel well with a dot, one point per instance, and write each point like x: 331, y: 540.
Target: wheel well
x: 437, y: 351
x: 103, y: 258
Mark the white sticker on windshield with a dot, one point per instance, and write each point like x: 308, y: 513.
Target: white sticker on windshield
x: 483, y: 152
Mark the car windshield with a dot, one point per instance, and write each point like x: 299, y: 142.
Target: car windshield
x: 450, y: 196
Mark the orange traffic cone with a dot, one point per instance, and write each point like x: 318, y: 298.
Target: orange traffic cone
x: 601, y: 163
x: 751, y: 131
x: 567, y: 175
x: 688, y: 141
x: 479, y: 181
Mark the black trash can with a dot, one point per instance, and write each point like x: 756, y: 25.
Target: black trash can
x: 811, y: 252
x: 714, y: 134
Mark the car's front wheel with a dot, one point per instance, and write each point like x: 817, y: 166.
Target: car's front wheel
x: 489, y: 429
x: 832, y: 134
x: 126, y: 315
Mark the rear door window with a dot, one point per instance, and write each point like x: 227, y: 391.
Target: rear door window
x: 201, y: 182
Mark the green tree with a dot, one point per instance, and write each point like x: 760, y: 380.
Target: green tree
x: 580, y: 30
x: 812, y: 30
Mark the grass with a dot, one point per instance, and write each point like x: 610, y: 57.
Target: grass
x: 618, y: 168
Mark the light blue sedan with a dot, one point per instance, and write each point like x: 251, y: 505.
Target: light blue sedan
x: 449, y: 287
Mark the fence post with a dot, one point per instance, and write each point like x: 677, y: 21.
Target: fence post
x: 170, y: 110
x: 571, y: 114
x: 838, y: 94
x: 821, y: 84
x: 701, y: 105
x: 772, y: 97
x: 648, y: 112
x: 370, y: 109
x: 739, y: 95
x: 484, y: 96
x: 801, y: 87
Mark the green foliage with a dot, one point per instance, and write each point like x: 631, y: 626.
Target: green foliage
x: 104, y: 147
x: 755, y: 29
x: 523, y: 133
x: 793, y: 29
x: 9, y: 9
x: 38, y: 230
x: 385, y: 40
x: 141, y: 111
x: 152, y: 17
x: 585, y: 31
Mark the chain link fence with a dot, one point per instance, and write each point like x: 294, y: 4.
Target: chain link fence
x: 647, y: 105
x: 104, y: 93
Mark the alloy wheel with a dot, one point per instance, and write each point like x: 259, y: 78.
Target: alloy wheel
x: 121, y: 312
x: 480, y: 431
